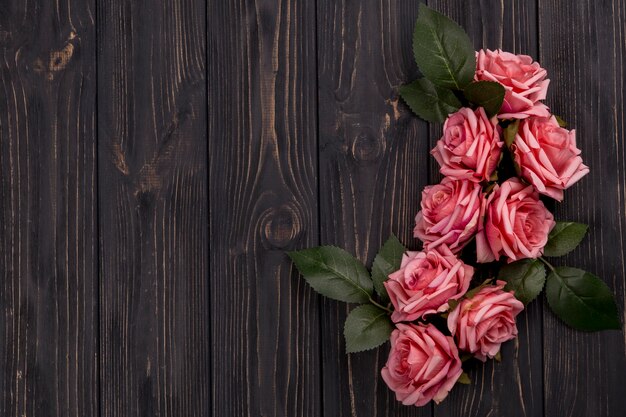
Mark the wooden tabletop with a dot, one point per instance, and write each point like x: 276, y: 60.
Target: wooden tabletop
x: 158, y: 157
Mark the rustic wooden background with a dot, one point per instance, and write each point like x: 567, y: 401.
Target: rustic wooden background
x: 157, y: 157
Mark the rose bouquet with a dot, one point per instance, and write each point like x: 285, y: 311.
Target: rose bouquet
x: 485, y: 228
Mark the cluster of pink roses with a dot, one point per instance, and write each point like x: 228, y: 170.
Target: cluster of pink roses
x: 506, y: 218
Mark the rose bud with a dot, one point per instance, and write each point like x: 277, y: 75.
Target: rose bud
x: 547, y: 156
x: 470, y: 147
x: 423, y: 364
x: 481, y: 324
x: 524, y: 81
x: 450, y: 214
x: 516, y: 223
x: 426, y: 282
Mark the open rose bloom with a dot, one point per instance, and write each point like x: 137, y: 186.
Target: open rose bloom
x: 450, y: 214
x: 547, y: 156
x: 470, y: 147
x: 523, y: 79
x: 515, y: 224
x: 423, y: 364
x: 485, y: 321
x: 426, y: 282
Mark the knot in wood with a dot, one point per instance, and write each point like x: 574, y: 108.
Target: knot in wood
x: 56, y: 61
x: 281, y: 226
x: 367, y: 148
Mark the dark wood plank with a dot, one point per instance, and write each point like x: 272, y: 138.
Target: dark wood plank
x: 263, y: 172
x: 512, y: 387
x: 48, y: 197
x: 373, y: 164
x: 155, y: 338
x: 583, y: 46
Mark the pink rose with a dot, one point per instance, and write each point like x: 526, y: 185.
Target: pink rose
x: 423, y: 364
x: 524, y: 80
x: 449, y: 215
x: 482, y: 323
x: 516, y: 223
x: 470, y: 147
x: 548, y: 156
x: 426, y: 282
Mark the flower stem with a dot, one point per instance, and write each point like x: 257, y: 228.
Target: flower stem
x: 380, y: 306
x: 548, y: 264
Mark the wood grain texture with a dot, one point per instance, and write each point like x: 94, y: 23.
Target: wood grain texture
x: 153, y: 211
x: 583, y: 47
x: 373, y: 164
x: 48, y: 223
x: 263, y: 175
x: 513, y: 387
x: 157, y: 159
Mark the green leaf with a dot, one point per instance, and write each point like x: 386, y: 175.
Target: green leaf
x: 486, y: 94
x: 564, y: 238
x: 443, y: 51
x: 428, y: 101
x: 561, y: 122
x: 464, y: 379
x: 471, y: 293
x: 366, y: 327
x: 581, y: 300
x: 510, y: 132
x: 387, y: 261
x: 334, y: 273
x: 525, y: 277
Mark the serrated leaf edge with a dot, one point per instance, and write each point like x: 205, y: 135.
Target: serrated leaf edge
x: 379, y: 259
x: 538, y: 262
x: 561, y: 231
x: 436, y: 97
x: 581, y: 302
x: 382, y: 313
x: 424, y: 8
x: 354, y: 283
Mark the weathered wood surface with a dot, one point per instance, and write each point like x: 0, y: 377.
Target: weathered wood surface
x: 48, y: 209
x: 158, y: 158
x: 153, y: 209
x: 263, y: 194
x: 583, y: 45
